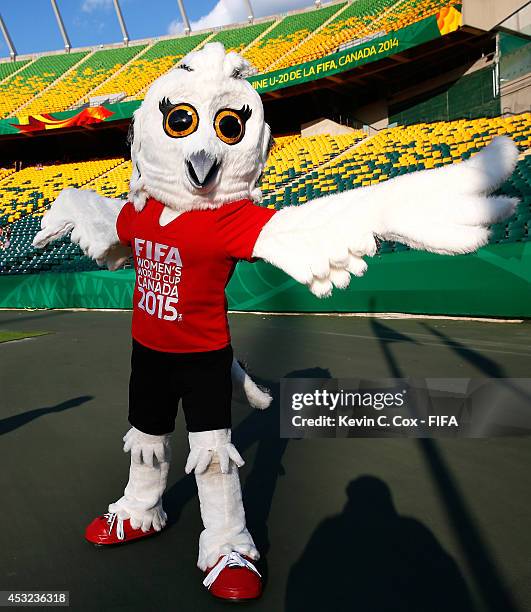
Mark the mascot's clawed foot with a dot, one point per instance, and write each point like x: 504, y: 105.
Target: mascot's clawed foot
x: 234, y: 577
x: 226, y: 548
x: 109, y: 529
x: 139, y: 513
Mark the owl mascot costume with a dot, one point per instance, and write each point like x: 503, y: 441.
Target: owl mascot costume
x: 199, y: 144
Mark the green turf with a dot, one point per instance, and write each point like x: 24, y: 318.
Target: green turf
x: 8, y: 336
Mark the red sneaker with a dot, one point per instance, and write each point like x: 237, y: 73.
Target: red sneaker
x: 109, y: 529
x: 234, y: 577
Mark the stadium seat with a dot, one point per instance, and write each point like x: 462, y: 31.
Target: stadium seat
x: 236, y: 39
x: 114, y: 183
x: 361, y: 18
x: 7, y: 68
x: 357, y: 20
x: 143, y: 70
x: 288, y: 33
x: 32, y: 189
x: 291, y: 158
x: 4, y: 172
x: 73, y: 87
x: 25, y: 195
x: 32, y: 79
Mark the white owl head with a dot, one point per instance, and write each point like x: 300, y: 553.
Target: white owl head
x: 199, y: 139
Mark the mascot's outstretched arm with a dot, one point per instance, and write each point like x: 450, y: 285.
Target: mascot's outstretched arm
x: 445, y: 210
x: 92, y: 220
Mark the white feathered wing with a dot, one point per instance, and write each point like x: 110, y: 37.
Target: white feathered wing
x: 444, y: 210
x: 92, y: 220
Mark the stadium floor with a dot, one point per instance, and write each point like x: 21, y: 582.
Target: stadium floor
x: 430, y: 524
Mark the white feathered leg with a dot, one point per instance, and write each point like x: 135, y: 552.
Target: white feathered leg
x: 215, y: 462
x: 148, y: 474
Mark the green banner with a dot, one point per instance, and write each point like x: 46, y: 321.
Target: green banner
x: 496, y: 281
x: 371, y: 51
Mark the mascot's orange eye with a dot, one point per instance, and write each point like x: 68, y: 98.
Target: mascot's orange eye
x: 181, y: 120
x: 229, y: 126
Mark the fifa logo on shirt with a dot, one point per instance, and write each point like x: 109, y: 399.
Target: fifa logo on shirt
x: 158, y: 273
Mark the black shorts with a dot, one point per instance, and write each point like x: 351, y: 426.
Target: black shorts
x: 159, y: 380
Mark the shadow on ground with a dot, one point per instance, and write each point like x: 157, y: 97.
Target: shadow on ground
x: 370, y: 558
x: 489, y: 582
x: 19, y: 420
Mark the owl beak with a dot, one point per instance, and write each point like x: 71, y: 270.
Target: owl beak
x: 201, y: 169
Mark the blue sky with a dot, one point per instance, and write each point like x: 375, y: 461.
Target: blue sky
x: 91, y: 22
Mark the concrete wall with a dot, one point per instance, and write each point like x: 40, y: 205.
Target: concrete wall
x: 374, y: 115
x: 521, y: 22
x: 516, y: 95
x: 486, y: 14
x: 324, y: 126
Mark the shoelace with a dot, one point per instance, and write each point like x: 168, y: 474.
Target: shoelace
x: 232, y: 559
x: 112, y: 518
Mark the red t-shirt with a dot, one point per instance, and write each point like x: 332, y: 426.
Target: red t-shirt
x: 182, y: 270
